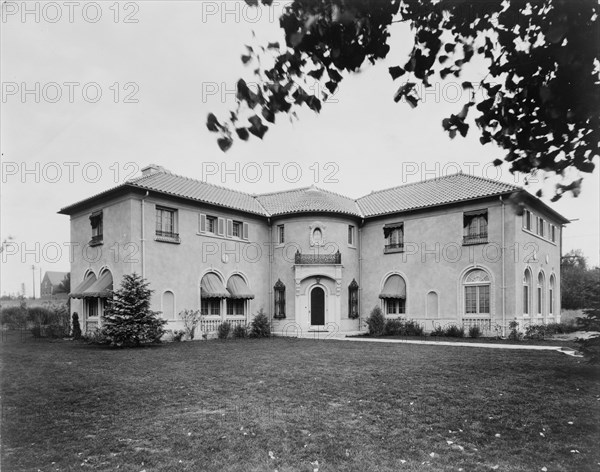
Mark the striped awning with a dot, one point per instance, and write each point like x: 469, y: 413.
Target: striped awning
x: 238, y: 288
x: 212, y: 287
x: 78, y: 291
x: 394, y: 287
x: 102, y: 288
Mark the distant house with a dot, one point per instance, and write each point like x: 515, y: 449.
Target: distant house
x: 51, y: 285
x: 450, y: 250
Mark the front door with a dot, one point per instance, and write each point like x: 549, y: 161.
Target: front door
x: 317, y: 307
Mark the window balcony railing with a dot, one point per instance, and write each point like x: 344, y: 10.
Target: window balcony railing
x: 394, y: 247
x: 167, y: 236
x: 96, y: 240
x: 318, y: 258
x: 475, y: 238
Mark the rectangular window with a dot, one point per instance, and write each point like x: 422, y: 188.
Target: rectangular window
x: 475, y: 227
x: 551, y: 304
x: 525, y: 299
x: 394, y: 237
x: 235, y: 307
x: 280, y: 234
x: 527, y: 220
x: 541, y: 224
x: 92, y: 308
x: 553, y: 233
x: 477, y: 299
x: 166, y: 224
x: 395, y: 306
x: 237, y: 229
x: 97, y: 228
x: 211, y: 224
x: 210, y: 306
x: 539, y: 297
x: 484, y: 298
x: 351, y: 235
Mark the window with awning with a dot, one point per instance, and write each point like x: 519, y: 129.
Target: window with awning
x: 212, y: 287
x: 394, y: 287
x: 101, y: 288
x: 394, y: 237
x: 475, y: 226
x: 394, y: 295
x: 238, y: 288
x: 78, y: 291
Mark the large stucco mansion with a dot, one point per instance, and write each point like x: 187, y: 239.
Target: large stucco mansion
x: 455, y: 249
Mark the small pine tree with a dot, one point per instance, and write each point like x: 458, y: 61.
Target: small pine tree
x: 260, y: 327
x: 76, y: 326
x: 376, y: 322
x: 128, y: 320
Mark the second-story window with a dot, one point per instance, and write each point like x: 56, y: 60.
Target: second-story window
x: 475, y: 226
x: 351, y: 235
x: 394, y: 237
x: 211, y: 224
x: 166, y: 223
x: 97, y: 228
x: 540, y: 227
x: 280, y: 234
x: 527, y: 220
x: 237, y: 229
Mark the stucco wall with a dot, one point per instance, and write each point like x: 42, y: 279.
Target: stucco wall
x: 118, y: 252
x: 297, y: 237
x: 180, y: 267
x: 538, y: 254
x: 434, y: 259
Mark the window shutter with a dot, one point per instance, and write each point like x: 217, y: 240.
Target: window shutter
x: 221, y: 227
x: 245, y: 231
x: 202, y: 223
x: 229, y: 228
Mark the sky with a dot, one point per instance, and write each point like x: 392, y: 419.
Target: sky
x: 94, y: 91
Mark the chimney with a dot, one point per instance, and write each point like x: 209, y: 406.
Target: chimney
x: 153, y: 169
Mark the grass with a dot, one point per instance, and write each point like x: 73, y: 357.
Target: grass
x: 283, y: 404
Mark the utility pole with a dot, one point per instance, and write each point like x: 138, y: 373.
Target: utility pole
x: 33, y: 276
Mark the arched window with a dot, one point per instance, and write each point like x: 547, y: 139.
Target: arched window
x: 353, y: 299
x: 394, y: 295
x: 540, y: 294
x: 168, y: 305
x: 239, y: 293
x: 551, y: 296
x: 279, y: 295
x: 432, y: 305
x: 477, y: 292
x: 212, y: 291
x: 527, y: 292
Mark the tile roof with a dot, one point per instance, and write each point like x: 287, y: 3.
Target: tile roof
x: 308, y: 199
x: 424, y: 194
x: 428, y: 193
x: 186, y: 187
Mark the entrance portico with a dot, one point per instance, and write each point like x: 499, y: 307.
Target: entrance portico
x: 318, y: 297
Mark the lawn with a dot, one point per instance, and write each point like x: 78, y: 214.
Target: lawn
x: 284, y: 404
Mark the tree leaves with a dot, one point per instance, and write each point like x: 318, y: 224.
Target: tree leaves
x: 396, y: 71
x: 212, y: 123
x: 541, y: 91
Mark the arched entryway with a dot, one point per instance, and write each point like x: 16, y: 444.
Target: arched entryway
x: 317, y: 306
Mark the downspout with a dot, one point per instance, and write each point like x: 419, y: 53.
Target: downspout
x: 503, y: 276
x: 143, y: 238
x: 270, y: 246
x: 360, y: 287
